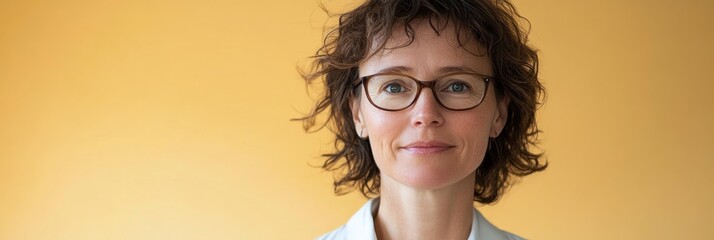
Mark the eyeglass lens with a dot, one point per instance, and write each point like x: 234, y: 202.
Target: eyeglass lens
x: 395, y: 92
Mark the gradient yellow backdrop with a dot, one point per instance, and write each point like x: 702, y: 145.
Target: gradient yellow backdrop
x: 170, y: 120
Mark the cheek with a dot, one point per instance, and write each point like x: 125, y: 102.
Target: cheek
x: 384, y: 129
x: 473, y: 131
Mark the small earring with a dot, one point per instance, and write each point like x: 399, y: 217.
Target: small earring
x: 490, y: 142
x: 361, y: 133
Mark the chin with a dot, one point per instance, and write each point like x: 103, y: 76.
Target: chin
x: 429, y: 179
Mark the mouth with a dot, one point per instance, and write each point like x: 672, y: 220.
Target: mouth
x: 422, y: 147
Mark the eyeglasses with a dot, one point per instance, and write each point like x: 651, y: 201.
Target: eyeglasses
x: 455, y: 91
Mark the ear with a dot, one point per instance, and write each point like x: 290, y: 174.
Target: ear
x: 501, y: 116
x: 357, y: 117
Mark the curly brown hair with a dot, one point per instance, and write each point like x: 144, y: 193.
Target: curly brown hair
x: 493, y: 23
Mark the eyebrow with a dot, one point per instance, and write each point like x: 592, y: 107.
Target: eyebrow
x: 396, y: 69
x: 455, y: 69
x: 443, y: 70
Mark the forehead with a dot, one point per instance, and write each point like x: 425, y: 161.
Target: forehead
x: 427, y: 51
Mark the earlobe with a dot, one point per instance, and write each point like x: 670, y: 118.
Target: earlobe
x: 358, y: 119
x: 501, y: 117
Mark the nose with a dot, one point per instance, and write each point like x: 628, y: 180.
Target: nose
x: 427, y: 112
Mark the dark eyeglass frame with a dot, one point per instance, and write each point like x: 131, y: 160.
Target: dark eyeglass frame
x: 425, y: 84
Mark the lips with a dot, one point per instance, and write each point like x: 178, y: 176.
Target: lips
x: 426, y: 147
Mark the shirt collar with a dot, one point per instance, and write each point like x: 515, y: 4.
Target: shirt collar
x: 361, y: 225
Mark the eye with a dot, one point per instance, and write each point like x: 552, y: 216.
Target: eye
x: 457, y: 87
x: 394, y: 88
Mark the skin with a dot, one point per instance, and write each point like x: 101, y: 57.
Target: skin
x: 427, y: 155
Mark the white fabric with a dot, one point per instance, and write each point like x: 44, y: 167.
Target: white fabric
x: 361, y: 227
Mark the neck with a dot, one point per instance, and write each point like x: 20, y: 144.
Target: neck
x: 409, y: 213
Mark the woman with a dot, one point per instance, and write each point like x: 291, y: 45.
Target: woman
x: 433, y: 105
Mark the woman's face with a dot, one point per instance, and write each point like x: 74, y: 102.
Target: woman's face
x: 427, y: 146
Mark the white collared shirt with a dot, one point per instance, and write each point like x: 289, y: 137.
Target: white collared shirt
x: 361, y: 227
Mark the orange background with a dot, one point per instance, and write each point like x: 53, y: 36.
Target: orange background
x: 170, y: 120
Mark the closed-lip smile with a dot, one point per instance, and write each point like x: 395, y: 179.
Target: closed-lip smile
x: 425, y: 147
